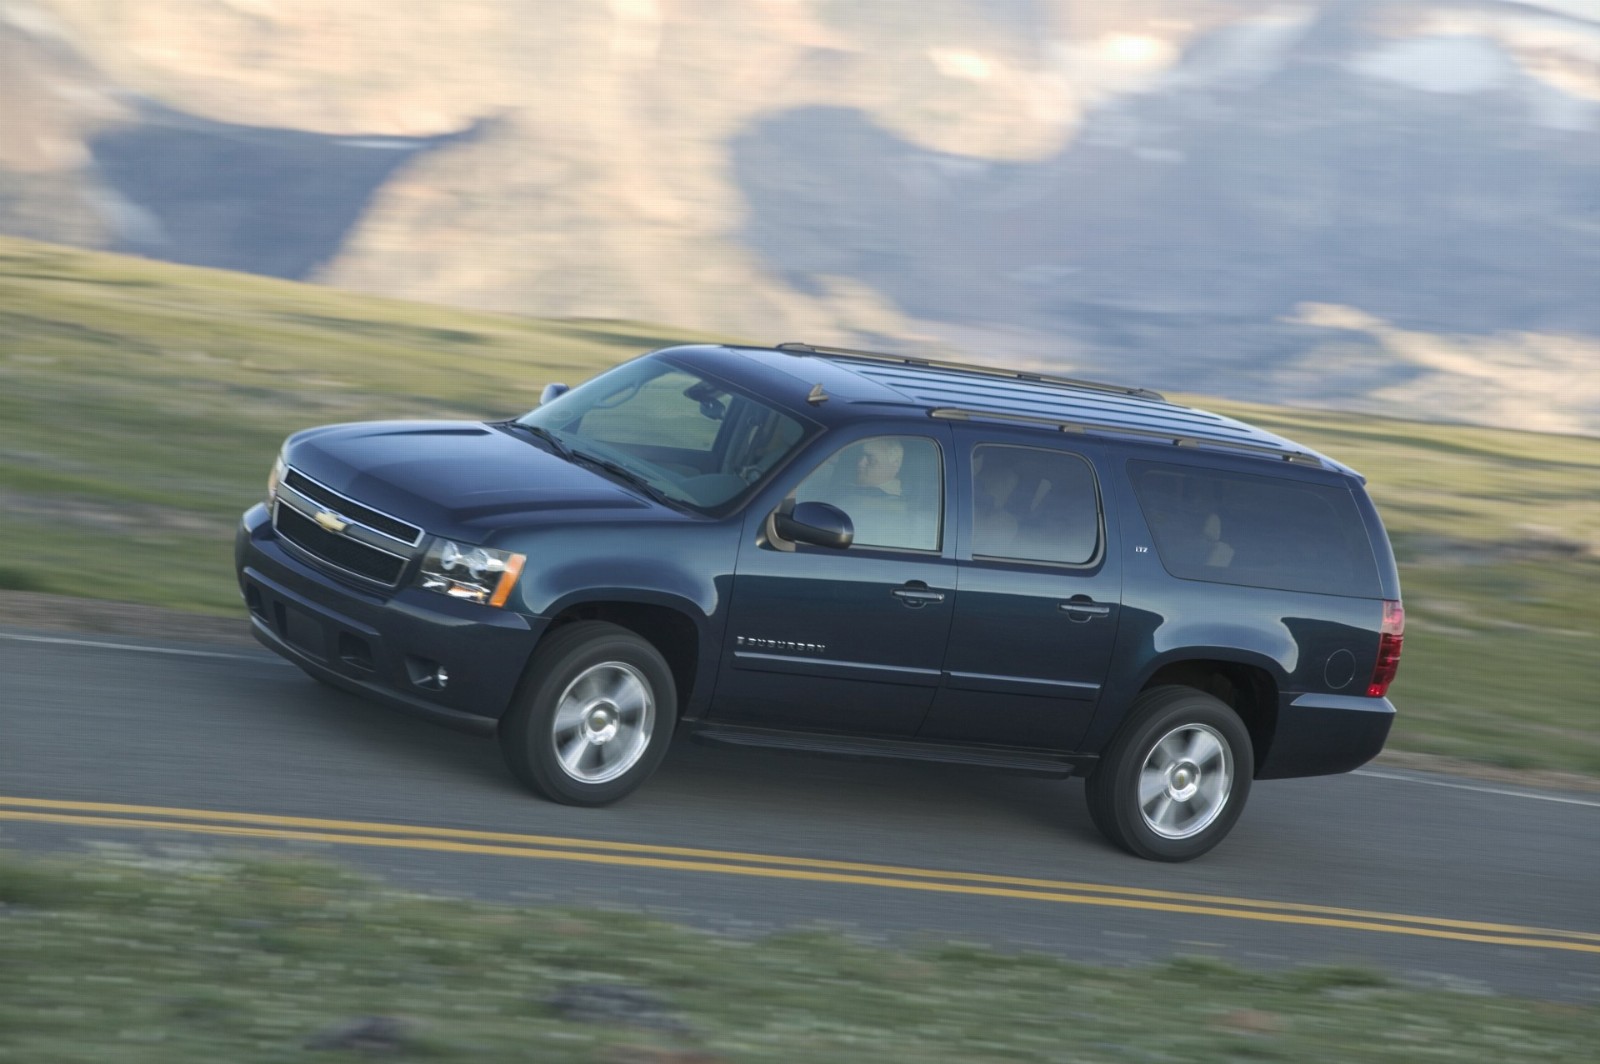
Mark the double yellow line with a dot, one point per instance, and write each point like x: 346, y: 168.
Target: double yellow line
x: 722, y: 862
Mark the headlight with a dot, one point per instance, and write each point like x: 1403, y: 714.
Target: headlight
x: 274, y: 479
x: 477, y: 574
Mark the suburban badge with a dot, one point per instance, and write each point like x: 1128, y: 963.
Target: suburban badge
x: 780, y: 644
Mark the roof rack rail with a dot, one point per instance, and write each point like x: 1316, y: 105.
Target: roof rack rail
x: 793, y: 348
x: 1177, y: 439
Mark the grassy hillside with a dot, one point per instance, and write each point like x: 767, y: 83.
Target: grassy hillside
x: 141, y: 405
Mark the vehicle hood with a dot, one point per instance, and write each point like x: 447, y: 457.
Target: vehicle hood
x: 460, y: 478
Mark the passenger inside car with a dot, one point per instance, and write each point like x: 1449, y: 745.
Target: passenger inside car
x: 994, y: 483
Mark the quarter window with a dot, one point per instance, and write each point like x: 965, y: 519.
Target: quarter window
x: 891, y: 488
x: 1030, y: 504
x: 1235, y: 528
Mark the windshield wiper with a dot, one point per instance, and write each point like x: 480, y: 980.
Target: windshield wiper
x: 622, y: 471
x: 539, y: 432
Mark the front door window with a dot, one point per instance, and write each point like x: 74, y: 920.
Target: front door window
x: 891, y: 488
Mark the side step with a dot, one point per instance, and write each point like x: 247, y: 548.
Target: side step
x: 1008, y: 759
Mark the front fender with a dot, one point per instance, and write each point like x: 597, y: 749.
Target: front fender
x: 552, y: 593
x: 688, y: 575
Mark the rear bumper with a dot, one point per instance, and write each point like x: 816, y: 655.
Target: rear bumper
x: 389, y: 648
x: 1318, y: 735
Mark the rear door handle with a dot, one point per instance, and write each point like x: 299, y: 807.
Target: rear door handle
x: 1083, y: 609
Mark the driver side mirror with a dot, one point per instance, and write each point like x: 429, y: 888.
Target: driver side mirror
x: 818, y: 523
x: 553, y: 391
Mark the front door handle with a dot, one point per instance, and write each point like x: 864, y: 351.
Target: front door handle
x: 1082, y: 608
x: 917, y: 594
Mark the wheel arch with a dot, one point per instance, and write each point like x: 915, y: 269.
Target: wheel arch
x: 1247, y: 685
x: 668, y: 623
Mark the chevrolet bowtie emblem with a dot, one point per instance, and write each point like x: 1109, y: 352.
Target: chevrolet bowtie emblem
x: 331, y: 521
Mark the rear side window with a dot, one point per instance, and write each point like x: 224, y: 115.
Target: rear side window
x: 1234, y: 528
x: 1033, y: 505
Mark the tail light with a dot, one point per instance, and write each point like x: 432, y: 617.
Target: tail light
x: 1391, y: 635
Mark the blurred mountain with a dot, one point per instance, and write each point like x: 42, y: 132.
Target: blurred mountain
x: 1373, y: 204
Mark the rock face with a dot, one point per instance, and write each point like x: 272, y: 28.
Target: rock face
x: 1335, y: 202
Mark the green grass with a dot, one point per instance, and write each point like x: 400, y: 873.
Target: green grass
x: 141, y: 405
x: 127, y: 959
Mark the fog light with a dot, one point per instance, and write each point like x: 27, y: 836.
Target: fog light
x: 426, y: 673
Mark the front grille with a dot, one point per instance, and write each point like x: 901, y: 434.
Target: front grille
x: 376, y: 520
x: 339, y: 551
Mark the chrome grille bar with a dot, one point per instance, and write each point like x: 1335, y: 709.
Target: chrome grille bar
x: 341, y: 534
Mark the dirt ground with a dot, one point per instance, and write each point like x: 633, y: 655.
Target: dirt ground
x: 60, y: 613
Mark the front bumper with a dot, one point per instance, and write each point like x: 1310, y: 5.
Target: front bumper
x: 1318, y: 735
x: 388, y: 647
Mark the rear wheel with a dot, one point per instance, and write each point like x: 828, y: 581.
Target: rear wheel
x: 593, y: 717
x: 1175, y: 779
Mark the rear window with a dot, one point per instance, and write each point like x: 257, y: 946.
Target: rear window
x: 1234, y: 528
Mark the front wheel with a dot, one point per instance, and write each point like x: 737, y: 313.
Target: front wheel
x: 593, y: 717
x: 1175, y: 779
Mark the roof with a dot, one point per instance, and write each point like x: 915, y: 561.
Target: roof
x: 963, y: 391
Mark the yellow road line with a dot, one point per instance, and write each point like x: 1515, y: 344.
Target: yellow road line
x: 551, y: 841
x: 1404, y: 925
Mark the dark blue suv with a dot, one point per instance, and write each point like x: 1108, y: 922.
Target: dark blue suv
x: 851, y: 553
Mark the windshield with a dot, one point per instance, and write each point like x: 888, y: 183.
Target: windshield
x: 681, y: 436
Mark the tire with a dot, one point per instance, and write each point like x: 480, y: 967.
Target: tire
x: 1191, y: 756
x: 593, y: 717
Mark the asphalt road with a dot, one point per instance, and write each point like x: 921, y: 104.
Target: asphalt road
x: 1437, y: 880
